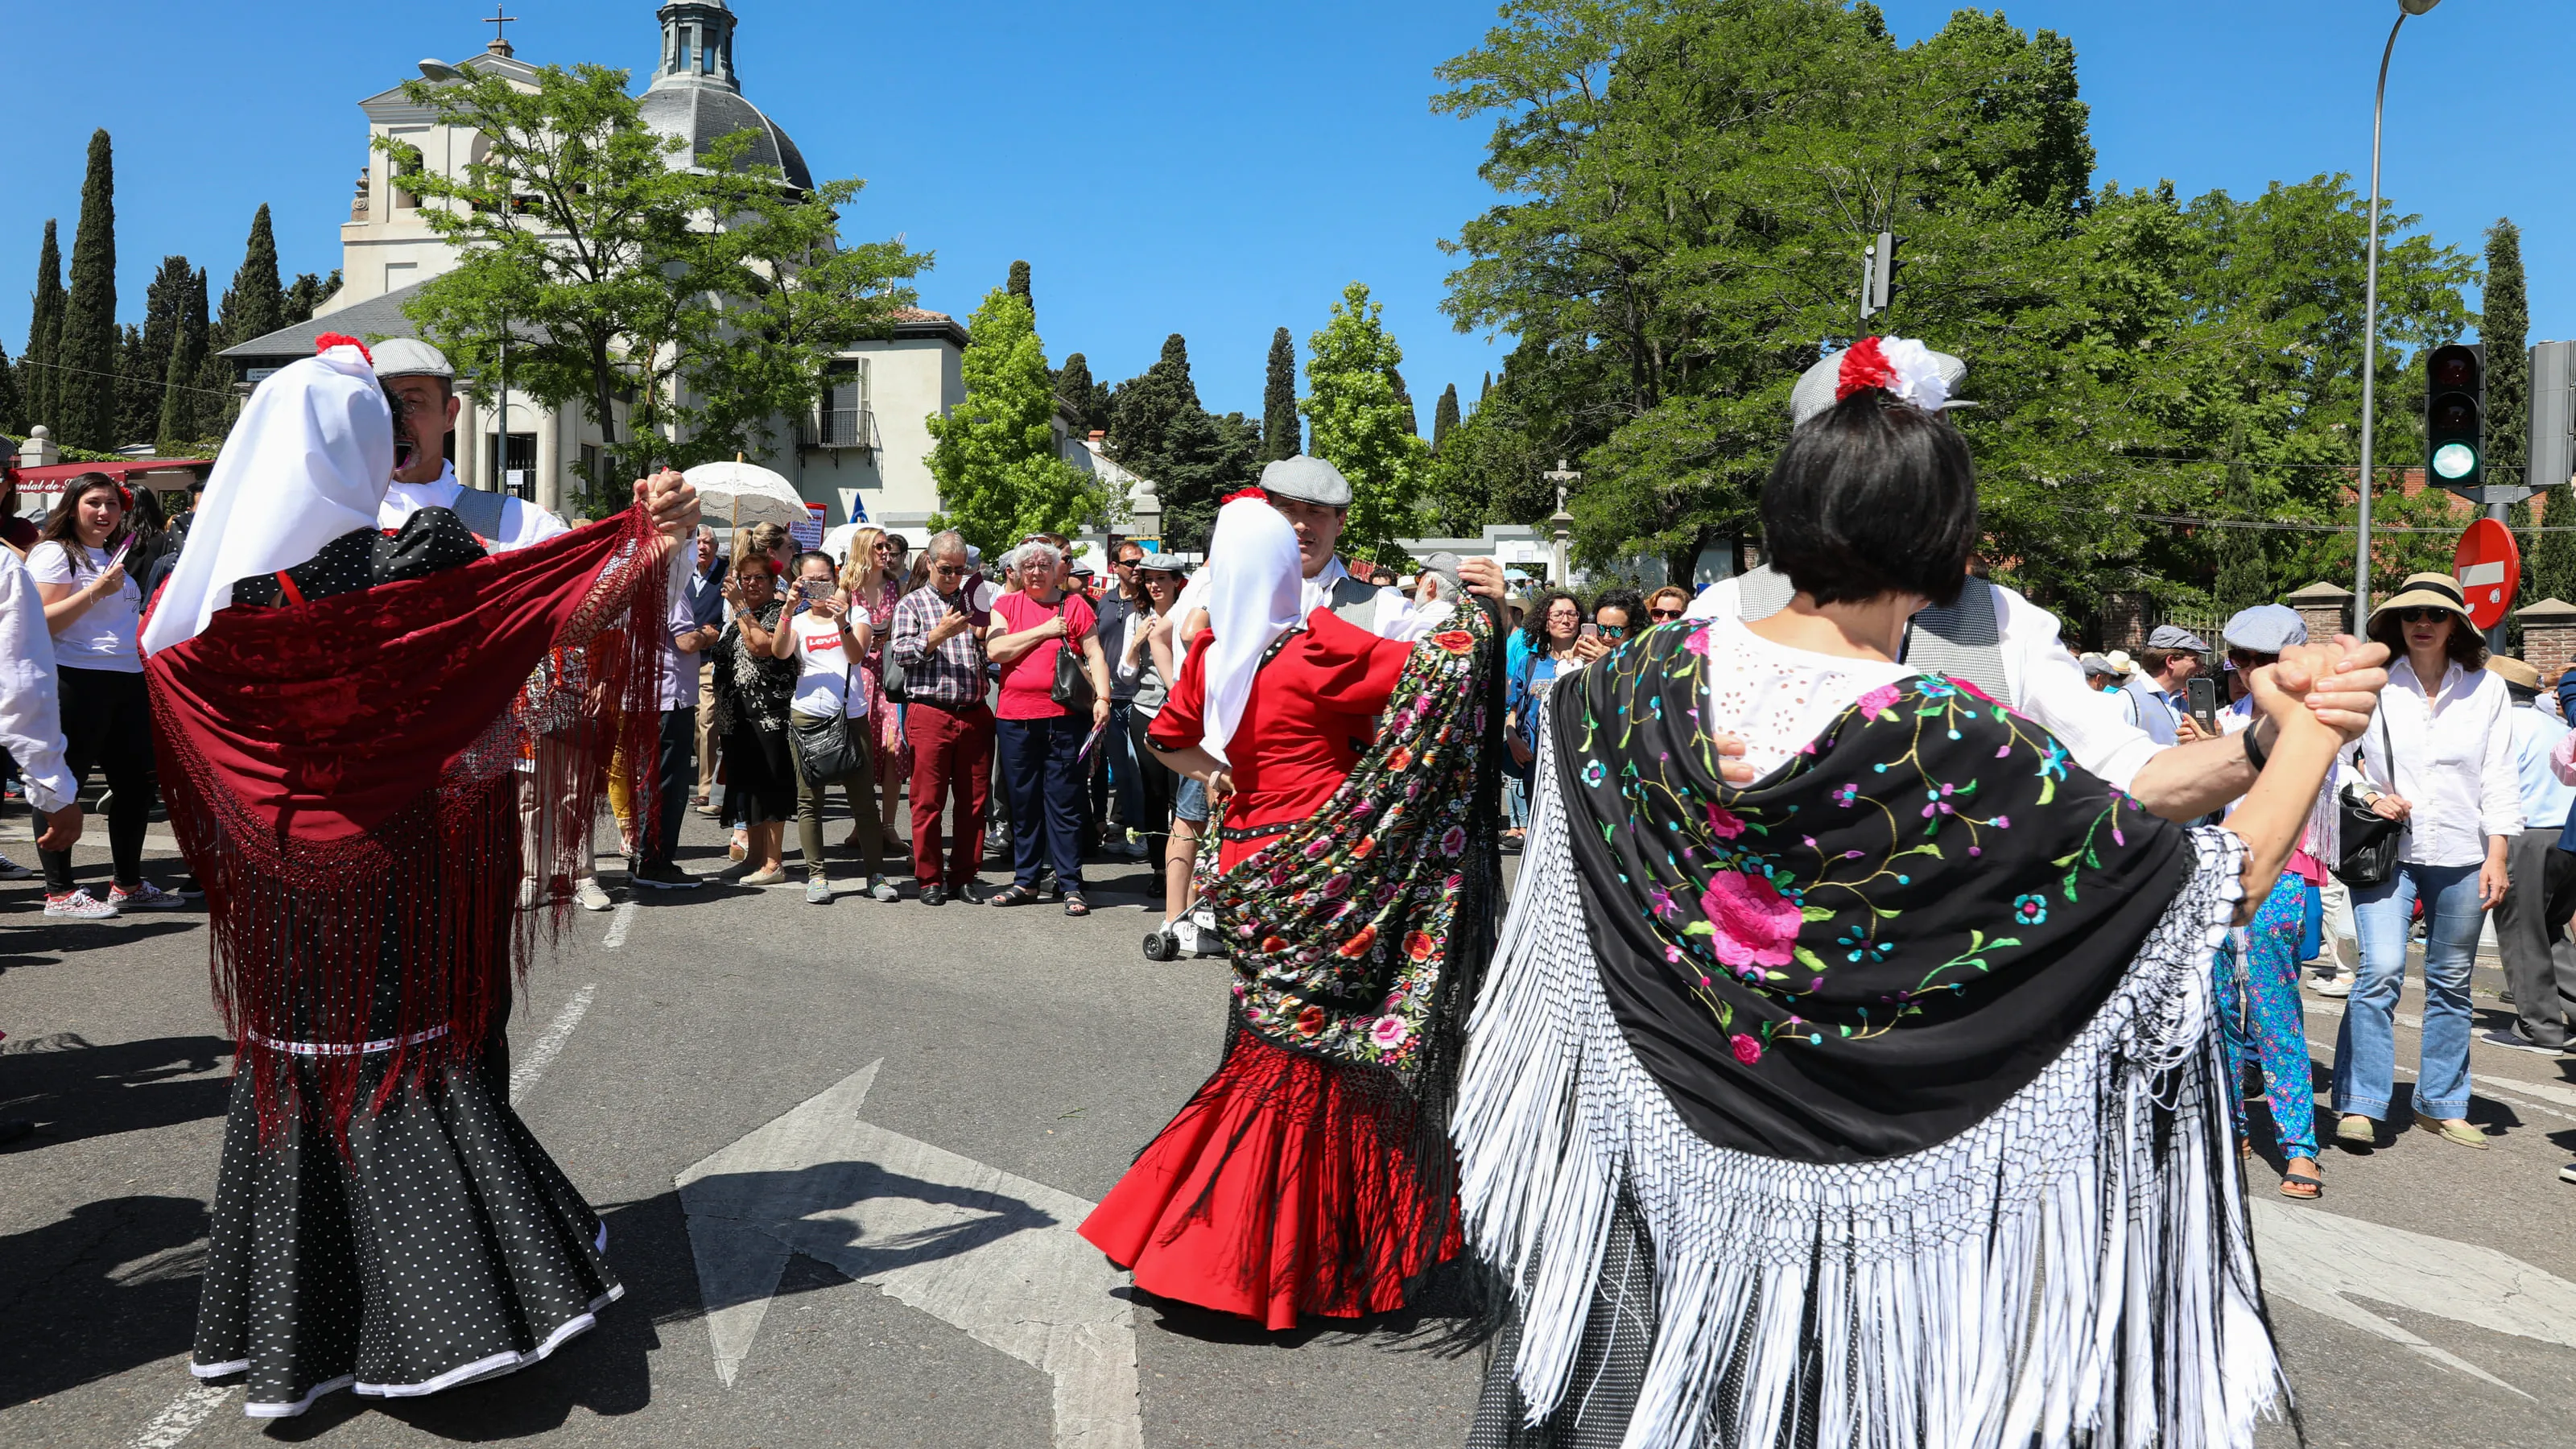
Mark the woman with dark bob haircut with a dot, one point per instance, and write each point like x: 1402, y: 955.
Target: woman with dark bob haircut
x: 1873, y: 497
x: 1789, y: 1046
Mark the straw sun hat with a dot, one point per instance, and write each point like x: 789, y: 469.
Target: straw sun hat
x: 2425, y: 591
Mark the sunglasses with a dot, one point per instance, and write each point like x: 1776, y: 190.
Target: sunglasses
x: 2422, y: 615
x: 1663, y: 616
x: 2248, y: 659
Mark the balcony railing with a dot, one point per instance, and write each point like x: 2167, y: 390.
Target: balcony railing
x: 854, y: 427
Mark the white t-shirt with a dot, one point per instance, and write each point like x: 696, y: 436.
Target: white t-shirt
x: 823, y: 678
x: 102, y: 635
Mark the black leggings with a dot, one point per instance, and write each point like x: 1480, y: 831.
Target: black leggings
x: 107, y: 722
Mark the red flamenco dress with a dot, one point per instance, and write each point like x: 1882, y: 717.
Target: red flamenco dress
x: 1290, y: 1184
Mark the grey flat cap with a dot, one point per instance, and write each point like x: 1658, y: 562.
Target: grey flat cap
x: 410, y: 357
x: 2175, y: 636
x: 1815, y: 390
x: 1308, y: 480
x: 2266, y: 628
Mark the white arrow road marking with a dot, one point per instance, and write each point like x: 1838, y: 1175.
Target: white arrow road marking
x: 973, y: 1246
x: 192, y: 1408
x: 524, y: 1076
x: 2322, y: 1262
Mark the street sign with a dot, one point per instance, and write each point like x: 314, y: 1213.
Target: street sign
x: 2489, y: 568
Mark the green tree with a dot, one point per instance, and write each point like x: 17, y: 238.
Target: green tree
x: 1086, y: 399
x: 1444, y: 418
x: 1159, y: 431
x: 2503, y: 325
x: 86, y: 359
x: 1280, y: 430
x: 1019, y: 285
x: 143, y: 361
x: 178, y: 426
x: 1363, y: 424
x: 13, y: 404
x: 577, y: 236
x: 308, y: 294
x: 44, y: 335
x: 1000, y: 476
x: 255, y: 304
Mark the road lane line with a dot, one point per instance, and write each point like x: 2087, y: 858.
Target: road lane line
x: 617, y: 927
x: 524, y: 1077
x: 194, y: 1406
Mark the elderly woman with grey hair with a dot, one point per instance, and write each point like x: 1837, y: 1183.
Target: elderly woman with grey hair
x: 1039, y: 735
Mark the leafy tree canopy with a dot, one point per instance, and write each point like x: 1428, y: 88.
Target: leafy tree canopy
x: 1362, y: 423
x: 1000, y: 476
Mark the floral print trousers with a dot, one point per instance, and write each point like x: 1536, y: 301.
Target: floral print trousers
x: 2259, y: 1018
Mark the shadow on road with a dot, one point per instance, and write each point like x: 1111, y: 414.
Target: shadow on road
x: 1447, y: 1318
x: 76, y: 1090
x: 109, y: 1288
x: 29, y: 943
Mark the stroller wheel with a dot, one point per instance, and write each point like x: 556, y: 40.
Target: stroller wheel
x: 1159, y: 946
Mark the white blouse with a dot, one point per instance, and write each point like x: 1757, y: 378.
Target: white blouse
x: 1777, y: 699
x: 2454, y: 762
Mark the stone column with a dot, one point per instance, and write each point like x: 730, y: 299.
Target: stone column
x: 2548, y: 636
x: 2326, y: 608
x: 549, y: 489
x: 469, y: 440
x: 2124, y: 621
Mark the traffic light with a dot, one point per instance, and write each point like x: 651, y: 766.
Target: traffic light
x: 2455, y: 409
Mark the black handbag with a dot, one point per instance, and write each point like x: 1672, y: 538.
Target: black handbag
x: 826, y: 750
x: 1072, y: 682
x: 2369, y: 838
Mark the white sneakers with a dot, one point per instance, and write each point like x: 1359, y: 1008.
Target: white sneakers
x: 586, y: 893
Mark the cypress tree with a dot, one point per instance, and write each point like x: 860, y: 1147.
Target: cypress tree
x: 1089, y: 400
x: 44, y: 332
x: 1404, y: 400
x: 176, y: 427
x: 1163, y: 434
x: 13, y: 417
x: 1444, y: 418
x: 255, y: 304
x: 143, y: 370
x: 1280, y: 428
x: 87, y: 356
x: 1019, y: 285
x: 2502, y: 327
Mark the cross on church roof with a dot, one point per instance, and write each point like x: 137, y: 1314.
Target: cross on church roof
x: 500, y: 43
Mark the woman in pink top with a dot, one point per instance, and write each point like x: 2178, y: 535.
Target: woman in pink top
x: 1038, y: 741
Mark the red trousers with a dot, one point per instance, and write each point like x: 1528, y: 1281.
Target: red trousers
x: 951, y: 749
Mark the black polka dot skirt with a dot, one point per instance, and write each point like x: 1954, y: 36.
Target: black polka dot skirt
x: 446, y: 1247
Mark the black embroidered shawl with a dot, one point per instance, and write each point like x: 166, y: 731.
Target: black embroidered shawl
x: 1868, y: 951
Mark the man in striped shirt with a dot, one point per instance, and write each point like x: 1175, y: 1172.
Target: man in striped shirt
x: 939, y: 641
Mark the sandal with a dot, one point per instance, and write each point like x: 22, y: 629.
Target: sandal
x: 2355, y: 1130
x: 2302, y: 1186
x: 2458, y: 1133
x: 1012, y: 895
x: 1075, y: 905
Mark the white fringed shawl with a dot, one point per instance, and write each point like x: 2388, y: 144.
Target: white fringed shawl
x: 2076, y: 1268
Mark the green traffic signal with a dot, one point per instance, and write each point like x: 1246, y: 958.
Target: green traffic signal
x: 2455, y: 414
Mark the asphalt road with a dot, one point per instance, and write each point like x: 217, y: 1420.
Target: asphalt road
x: 905, y: 1109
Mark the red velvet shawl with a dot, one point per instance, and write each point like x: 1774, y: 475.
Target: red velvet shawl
x: 339, y: 774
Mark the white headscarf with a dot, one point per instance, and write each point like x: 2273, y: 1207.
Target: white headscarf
x: 308, y: 461
x: 1255, y: 594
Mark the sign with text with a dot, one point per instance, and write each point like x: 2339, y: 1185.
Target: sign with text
x: 809, y: 534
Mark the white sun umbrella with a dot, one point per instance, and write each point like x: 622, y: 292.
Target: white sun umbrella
x: 746, y: 493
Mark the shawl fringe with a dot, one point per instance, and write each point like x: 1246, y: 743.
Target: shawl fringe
x: 2075, y: 1268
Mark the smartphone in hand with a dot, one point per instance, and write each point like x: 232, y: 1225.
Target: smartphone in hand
x: 1591, y: 630
x: 2203, y: 698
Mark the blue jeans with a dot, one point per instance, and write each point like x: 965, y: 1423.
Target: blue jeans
x: 1038, y: 773
x: 2366, y: 1048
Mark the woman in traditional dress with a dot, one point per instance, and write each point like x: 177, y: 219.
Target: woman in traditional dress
x: 1876, y: 1102
x: 1310, y: 1174
x: 873, y: 579
x: 335, y: 707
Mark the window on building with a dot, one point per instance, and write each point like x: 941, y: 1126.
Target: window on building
x: 405, y: 161
x: 841, y: 416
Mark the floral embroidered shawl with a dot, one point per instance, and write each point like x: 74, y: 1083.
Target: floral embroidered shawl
x: 1869, y: 950
x: 1355, y: 932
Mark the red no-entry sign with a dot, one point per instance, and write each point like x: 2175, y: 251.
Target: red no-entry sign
x: 2489, y: 567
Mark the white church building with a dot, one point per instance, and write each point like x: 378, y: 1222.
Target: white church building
x: 860, y: 451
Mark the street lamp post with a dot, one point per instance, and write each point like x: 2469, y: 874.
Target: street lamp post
x: 2370, y: 320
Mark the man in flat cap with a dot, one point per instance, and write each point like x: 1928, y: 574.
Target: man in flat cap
x: 423, y: 388
x: 2540, y: 876
x: 1316, y: 500
x: 2173, y: 656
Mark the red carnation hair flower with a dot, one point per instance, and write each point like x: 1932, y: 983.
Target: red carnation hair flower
x: 329, y: 340
x: 1864, y: 365
x: 1253, y: 492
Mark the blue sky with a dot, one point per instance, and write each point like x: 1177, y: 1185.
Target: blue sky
x: 1215, y: 169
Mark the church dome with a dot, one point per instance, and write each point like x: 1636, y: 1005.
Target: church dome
x: 696, y: 96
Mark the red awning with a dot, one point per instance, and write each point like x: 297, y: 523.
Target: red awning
x: 164, y: 475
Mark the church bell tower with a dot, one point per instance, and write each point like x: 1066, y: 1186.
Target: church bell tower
x: 697, y: 44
